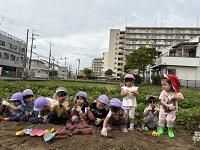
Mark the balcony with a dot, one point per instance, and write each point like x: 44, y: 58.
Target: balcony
x: 177, y: 61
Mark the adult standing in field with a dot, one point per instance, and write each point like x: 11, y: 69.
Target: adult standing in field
x: 129, y: 93
x: 59, y: 113
x: 169, y: 103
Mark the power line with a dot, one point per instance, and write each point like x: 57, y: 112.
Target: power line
x: 13, y: 22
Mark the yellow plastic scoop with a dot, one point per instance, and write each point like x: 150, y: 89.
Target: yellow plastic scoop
x: 154, y: 133
x: 20, y: 133
x: 49, y: 131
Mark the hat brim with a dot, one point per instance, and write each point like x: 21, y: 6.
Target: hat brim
x: 102, y: 101
x: 37, y: 109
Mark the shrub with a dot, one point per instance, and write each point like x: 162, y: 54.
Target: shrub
x: 156, y: 79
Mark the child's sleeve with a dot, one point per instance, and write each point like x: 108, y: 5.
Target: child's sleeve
x: 162, y: 96
x: 109, y: 114
x: 145, y: 110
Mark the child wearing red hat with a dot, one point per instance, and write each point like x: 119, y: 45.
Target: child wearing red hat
x: 169, y: 103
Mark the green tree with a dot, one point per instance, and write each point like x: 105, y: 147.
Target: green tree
x: 140, y: 59
x: 109, y: 72
x: 87, y: 72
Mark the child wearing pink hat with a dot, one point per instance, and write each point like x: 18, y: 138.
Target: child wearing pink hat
x: 115, y: 117
x: 169, y: 103
x: 99, y: 109
x: 129, y: 92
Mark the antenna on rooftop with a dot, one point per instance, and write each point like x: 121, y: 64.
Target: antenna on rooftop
x: 126, y: 19
x: 161, y: 20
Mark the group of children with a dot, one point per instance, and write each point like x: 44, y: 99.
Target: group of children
x: 24, y: 107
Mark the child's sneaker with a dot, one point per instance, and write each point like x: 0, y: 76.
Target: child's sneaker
x: 109, y: 127
x: 2, y: 119
x: 124, y: 128
x: 145, y: 129
x: 131, y: 129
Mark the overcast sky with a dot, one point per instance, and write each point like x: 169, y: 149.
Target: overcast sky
x: 79, y: 29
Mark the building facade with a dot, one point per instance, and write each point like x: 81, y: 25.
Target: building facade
x: 114, y: 58
x: 182, y: 60
x: 12, y: 52
x: 97, y: 65
x: 122, y: 43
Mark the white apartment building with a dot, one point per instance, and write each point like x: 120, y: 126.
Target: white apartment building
x: 113, y: 59
x: 97, y: 66
x: 182, y: 60
x: 122, y: 43
x: 11, y: 55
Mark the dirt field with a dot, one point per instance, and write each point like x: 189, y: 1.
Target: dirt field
x: 123, y: 141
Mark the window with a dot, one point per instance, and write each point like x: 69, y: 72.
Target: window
x: 0, y: 55
x: 22, y: 59
x: 2, y: 43
x: 171, y: 71
x: 21, y: 50
x: 6, y: 56
x: 12, y: 57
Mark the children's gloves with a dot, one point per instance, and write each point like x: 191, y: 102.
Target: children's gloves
x: 171, y: 97
x: 4, y: 102
x: 78, y: 109
x: 56, y: 103
x: 149, y: 108
x: 97, y: 121
x: 171, y: 107
x: 104, y: 132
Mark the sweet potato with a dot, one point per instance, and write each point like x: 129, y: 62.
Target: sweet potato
x: 92, y: 126
x: 72, y: 127
x: 68, y: 125
x: 87, y: 131
x: 62, y: 132
x: 61, y: 136
x: 90, y: 115
x: 109, y: 135
x: 58, y: 130
x: 76, y: 131
x: 81, y: 126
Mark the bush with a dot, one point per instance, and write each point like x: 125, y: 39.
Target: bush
x: 156, y: 79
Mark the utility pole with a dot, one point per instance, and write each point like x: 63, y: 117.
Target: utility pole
x: 32, y: 48
x: 65, y: 67
x: 78, y: 66
x: 25, y: 56
x: 53, y: 66
x: 50, y: 58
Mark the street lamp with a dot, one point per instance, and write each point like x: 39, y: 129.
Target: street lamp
x: 78, y: 66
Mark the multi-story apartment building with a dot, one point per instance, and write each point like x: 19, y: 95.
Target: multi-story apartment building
x: 122, y: 43
x: 113, y: 59
x: 11, y: 54
x: 97, y: 66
